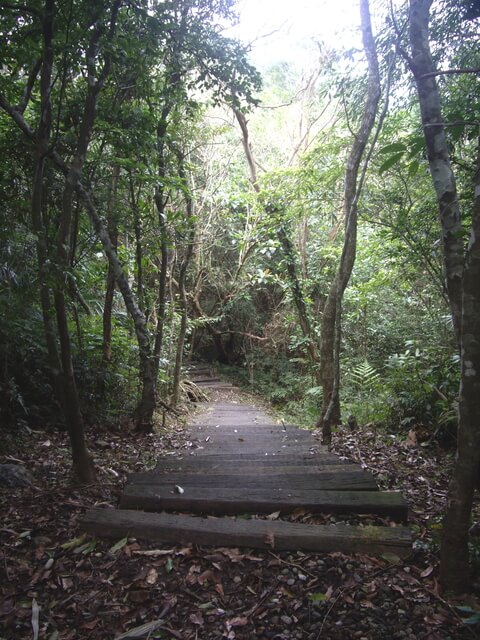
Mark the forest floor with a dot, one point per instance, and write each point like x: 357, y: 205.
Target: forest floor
x: 57, y: 584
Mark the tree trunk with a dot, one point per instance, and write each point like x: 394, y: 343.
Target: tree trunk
x: 38, y: 195
x: 162, y: 280
x: 137, y: 222
x: 110, y: 283
x: 332, y: 314
x: 299, y: 301
x: 462, y: 274
x: 190, y: 212
x: 146, y: 404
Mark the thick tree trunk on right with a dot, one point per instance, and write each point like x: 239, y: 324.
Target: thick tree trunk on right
x: 462, y: 274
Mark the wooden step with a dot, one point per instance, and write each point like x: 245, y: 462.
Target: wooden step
x: 234, y: 501
x: 258, y: 534
x: 267, y: 449
x: 238, y: 471
x: 255, y: 427
x: 201, y: 464
x: 344, y: 478
x: 260, y: 441
x: 300, y: 453
x: 237, y: 408
x: 214, y: 385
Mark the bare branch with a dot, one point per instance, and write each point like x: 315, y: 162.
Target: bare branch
x: 451, y: 72
x: 27, y: 94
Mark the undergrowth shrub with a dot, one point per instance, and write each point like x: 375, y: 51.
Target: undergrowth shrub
x: 416, y: 386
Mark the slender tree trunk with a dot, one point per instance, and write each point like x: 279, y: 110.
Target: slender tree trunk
x: 146, y: 404
x: 162, y: 280
x: 299, y: 301
x: 190, y: 211
x: 110, y: 282
x: 331, y: 319
x: 137, y: 222
x: 462, y: 274
x: 38, y: 196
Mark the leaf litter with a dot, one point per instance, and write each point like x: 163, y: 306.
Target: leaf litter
x: 58, y: 584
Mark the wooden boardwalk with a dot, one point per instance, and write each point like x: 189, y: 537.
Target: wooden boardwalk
x: 240, y: 462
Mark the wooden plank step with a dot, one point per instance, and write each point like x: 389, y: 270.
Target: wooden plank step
x: 238, y: 500
x: 220, y: 407
x: 250, y: 428
x: 202, y: 463
x: 250, y: 425
x: 216, y: 455
x: 244, y: 440
x: 350, y: 478
x: 215, y: 385
x: 258, y: 534
x: 239, y: 448
x: 225, y: 469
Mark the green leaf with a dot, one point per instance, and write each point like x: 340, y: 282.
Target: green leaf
x: 416, y: 145
x: 475, y: 619
x: 169, y: 565
x: 413, y: 168
x: 389, y: 162
x: 394, y: 147
x: 318, y: 597
x: 76, y: 542
x: 119, y: 545
x: 390, y: 557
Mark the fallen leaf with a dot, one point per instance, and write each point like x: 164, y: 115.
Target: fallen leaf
x: 76, y: 542
x: 35, y: 619
x: 236, y: 622
x: 143, y: 631
x: 154, y: 553
x: 426, y: 572
x: 119, y: 545
x: 273, y: 516
x: 152, y: 576
x: 196, y: 618
x: 390, y: 557
x: 270, y: 540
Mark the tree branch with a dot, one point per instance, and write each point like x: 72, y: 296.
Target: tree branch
x: 450, y: 72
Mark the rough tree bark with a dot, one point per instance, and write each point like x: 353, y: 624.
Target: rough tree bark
x: 37, y: 198
x: 160, y: 203
x: 182, y: 277
x: 299, y: 301
x: 147, y: 402
x: 462, y: 275
x: 110, y: 280
x: 331, y: 319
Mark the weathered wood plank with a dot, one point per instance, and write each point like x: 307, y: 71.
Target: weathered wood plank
x: 259, y: 534
x: 240, y: 441
x: 221, y: 407
x: 268, y: 449
x: 348, y: 478
x: 239, y: 500
x: 202, y: 463
x: 237, y: 470
x: 300, y: 453
x: 250, y: 429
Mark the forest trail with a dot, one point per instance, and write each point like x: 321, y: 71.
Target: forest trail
x: 240, y: 461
